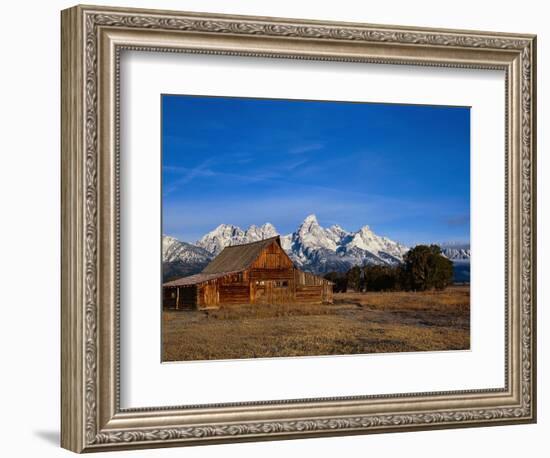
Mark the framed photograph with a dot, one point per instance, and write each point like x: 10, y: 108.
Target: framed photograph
x: 278, y: 228
x: 285, y: 285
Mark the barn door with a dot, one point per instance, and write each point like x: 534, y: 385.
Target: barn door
x: 259, y: 293
x: 280, y: 292
x: 263, y: 292
x: 272, y: 292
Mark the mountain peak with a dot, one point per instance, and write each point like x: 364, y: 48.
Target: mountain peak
x: 309, y: 224
x: 366, y: 230
x: 311, y: 219
x: 311, y: 235
x: 224, y: 235
x: 225, y: 228
x: 265, y: 231
x: 168, y: 239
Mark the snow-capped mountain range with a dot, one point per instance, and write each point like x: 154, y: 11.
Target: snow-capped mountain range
x: 181, y: 258
x: 312, y: 248
x: 174, y: 250
x: 320, y: 250
x: 456, y: 252
x: 226, y: 235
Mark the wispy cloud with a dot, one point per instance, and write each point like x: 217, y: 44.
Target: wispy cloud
x: 307, y: 148
x: 292, y: 165
x: 277, y: 174
x: 188, y: 175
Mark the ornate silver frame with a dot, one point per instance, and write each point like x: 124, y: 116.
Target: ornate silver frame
x: 92, y: 38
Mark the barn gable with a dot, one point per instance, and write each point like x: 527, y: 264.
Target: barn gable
x: 240, y: 257
x: 272, y: 257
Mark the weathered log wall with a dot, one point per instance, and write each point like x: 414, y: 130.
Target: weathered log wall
x: 235, y: 294
x: 272, y: 257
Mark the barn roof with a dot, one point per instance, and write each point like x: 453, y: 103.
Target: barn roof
x: 195, y: 279
x: 238, y: 257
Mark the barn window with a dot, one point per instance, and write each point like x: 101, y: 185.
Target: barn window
x: 260, y: 282
x: 281, y: 284
x: 173, y: 294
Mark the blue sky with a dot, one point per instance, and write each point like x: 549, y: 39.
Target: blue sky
x: 402, y: 169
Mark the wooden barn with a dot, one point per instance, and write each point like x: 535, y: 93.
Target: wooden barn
x: 254, y: 273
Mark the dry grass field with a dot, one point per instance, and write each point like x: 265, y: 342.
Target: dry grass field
x: 356, y: 323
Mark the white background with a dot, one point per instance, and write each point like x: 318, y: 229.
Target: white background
x: 29, y: 250
x: 145, y: 76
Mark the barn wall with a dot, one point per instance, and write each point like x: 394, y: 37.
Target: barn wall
x: 307, y: 279
x: 310, y: 294
x: 265, y: 286
x: 272, y: 292
x: 230, y: 289
x: 208, y: 295
x: 271, y: 274
x: 312, y: 288
x: 234, y: 294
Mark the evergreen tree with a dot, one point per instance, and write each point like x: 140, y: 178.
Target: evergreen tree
x: 441, y: 269
x: 381, y: 278
x: 426, y: 268
x: 340, y: 281
x: 354, y: 278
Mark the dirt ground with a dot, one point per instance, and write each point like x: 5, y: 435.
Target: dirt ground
x: 356, y: 323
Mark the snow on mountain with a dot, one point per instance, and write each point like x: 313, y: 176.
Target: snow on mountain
x: 365, y: 239
x: 180, y: 258
x: 321, y: 250
x: 226, y: 234
x: 255, y: 233
x: 311, y: 247
x: 336, y: 233
x: 215, y: 241
x: 456, y: 252
x: 286, y: 242
x: 459, y: 254
x: 174, y: 250
x: 311, y: 235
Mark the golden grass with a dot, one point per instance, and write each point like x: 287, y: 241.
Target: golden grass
x: 450, y: 299
x: 238, y: 312
x: 356, y: 323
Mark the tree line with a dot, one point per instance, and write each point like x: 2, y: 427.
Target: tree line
x: 424, y: 267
